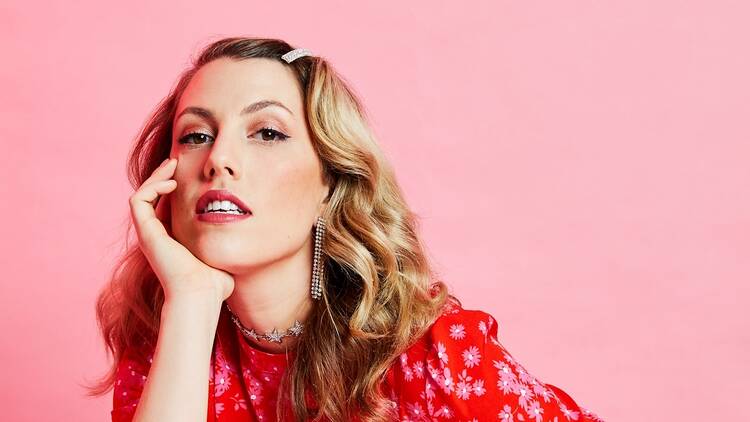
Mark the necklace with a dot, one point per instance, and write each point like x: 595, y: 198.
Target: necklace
x: 273, y: 335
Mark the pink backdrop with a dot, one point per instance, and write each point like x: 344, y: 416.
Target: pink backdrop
x: 581, y: 169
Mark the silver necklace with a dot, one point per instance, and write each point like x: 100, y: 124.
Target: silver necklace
x: 273, y: 335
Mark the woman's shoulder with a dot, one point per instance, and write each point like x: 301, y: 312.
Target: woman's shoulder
x: 459, y: 368
x: 455, y: 326
x: 457, y: 323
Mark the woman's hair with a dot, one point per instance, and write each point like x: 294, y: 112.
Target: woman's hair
x: 380, y: 293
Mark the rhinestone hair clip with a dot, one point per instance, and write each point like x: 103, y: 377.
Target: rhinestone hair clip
x: 295, y: 54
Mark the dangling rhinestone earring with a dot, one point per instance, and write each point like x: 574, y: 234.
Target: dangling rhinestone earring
x: 315, y: 288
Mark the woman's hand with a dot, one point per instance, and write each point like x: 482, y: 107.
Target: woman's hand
x: 178, y: 270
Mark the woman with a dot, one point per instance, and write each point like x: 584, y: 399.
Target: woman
x: 275, y: 248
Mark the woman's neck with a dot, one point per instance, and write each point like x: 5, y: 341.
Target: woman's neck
x: 274, y: 297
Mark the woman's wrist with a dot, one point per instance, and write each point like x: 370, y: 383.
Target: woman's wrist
x: 199, y: 308
x: 209, y: 299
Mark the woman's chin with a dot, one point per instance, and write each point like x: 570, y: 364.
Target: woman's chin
x: 222, y: 258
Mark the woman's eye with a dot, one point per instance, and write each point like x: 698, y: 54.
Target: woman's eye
x: 267, y: 135
x: 267, y: 132
x: 194, y: 135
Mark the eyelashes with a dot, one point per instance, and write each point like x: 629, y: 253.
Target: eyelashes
x: 277, y: 136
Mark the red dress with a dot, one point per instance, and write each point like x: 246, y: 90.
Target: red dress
x: 458, y: 371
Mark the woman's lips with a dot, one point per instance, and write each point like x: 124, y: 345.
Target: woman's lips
x: 219, y: 195
x: 221, y: 217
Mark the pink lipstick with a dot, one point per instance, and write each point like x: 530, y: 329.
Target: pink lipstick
x: 230, y: 209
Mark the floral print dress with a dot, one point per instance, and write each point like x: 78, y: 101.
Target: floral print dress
x: 458, y: 371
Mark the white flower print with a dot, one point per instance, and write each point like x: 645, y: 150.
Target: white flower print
x: 535, y: 411
x: 458, y: 371
x: 434, y: 372
x: 506, y: 415
x: 430, y: 415
x: 463, y: 386
x: 471, y: 357
x: 479, y: 388
x: 430, y: 408
x: 524, y: 394
x: 483, y: 327
x: 464, y: 376
x: 444, y: 412
x: 446, y: 381
x: 569, y: 414
x: 507, y: 386
x: 463, y: 390
x: 415, y: 410
x: 506, y: 378
x: 255, y: 391
x: 441, y: 353
x: 418, y: 368
x: 222, y: 379
x: 239, y: 403
x: 457, y: 331
x: 540, y: 390
x: 591, y: 415
x: 408, y: 374
x: 407, y: 371
x: 429, y: 392
x: 504, y: 371
x: 524, y: 376
x: 403, y: 360
x: 221, y: 384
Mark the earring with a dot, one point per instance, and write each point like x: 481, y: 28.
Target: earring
x: 315, y: 288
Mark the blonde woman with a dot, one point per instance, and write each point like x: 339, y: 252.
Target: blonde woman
x: 278, y: 274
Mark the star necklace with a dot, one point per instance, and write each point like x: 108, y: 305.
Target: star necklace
x: 273, y: 335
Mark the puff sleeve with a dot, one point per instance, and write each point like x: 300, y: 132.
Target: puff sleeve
x: 459, y: 371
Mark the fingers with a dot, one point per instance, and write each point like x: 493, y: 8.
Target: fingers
x: 163, y: 172
x: 142, y: 201
x: 162, y: 201
x: 164, y: 211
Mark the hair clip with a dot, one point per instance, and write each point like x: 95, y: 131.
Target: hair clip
x: 295, y: 54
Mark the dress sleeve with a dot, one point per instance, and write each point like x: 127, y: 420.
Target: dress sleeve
x: 132, y: 370
x: 461, y: 372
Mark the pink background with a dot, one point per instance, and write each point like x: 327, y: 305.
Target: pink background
x: 581, y: 168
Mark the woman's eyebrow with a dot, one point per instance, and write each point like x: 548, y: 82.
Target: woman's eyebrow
x: 252, y: 108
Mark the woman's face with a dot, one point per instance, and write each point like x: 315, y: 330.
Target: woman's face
x: 276, y: 174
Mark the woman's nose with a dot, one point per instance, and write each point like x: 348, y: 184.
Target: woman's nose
x: 223, y: 156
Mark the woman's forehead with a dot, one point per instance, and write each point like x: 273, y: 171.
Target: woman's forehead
x: 227, y: 83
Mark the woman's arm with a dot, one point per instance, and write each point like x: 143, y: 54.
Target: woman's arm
x: 177, y: 384
x: 176, y: 388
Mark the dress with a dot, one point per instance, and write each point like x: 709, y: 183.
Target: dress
x: 458, y: 371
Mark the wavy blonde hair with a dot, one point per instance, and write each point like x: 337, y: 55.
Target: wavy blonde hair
x: 380, y: 293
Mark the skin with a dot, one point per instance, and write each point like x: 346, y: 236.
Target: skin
x: 270, y: 253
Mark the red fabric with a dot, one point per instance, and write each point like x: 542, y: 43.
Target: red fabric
x: 458, y: 371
